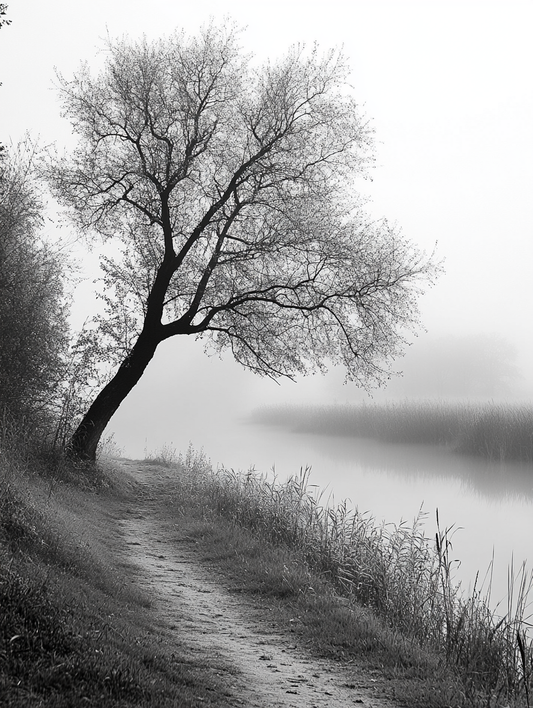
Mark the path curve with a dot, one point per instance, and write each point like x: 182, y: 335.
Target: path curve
x: 255, y: 664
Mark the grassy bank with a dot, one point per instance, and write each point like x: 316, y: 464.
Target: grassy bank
x: 493, y: 431
x: 73, y: 630
x: 403, y: 607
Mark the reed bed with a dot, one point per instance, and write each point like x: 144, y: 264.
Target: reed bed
x: 490, y: 430
x: 405, y: 577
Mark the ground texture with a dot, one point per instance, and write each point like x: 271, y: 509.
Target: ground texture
x: 252, y: 661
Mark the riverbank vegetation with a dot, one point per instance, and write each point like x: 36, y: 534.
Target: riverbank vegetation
x: 490, y: 430
x: 395, y: 574
x: 74, y: 629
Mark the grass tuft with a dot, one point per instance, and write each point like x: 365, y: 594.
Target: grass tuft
x: 166, y: 457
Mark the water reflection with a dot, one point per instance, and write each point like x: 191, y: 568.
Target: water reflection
x: 489, y: 504
x: 495, y: 480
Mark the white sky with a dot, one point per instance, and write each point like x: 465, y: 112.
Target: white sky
x: 448, y: 85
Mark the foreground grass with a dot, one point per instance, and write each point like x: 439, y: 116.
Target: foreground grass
x: 358, y: 591
x: 73, y: 630
x: 493, y: 431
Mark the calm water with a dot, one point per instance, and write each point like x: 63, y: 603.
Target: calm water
x: 489, y: 505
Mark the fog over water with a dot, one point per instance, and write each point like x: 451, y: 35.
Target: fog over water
x: 448, y: 88
x: 490, y: 504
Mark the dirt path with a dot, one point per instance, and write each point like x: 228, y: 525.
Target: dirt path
x: 255, y: 665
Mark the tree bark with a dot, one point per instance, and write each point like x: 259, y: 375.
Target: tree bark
x: 85, y: 440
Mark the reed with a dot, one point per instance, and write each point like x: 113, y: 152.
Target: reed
x: 404, y: 577
x: 490, y: 430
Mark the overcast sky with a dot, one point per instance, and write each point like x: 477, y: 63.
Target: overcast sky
x: 448, y: 86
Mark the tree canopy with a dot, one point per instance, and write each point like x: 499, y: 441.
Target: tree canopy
x: 231, y: 188
x: 3, y: 19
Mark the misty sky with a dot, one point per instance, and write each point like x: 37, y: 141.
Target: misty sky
x: 448, y: 87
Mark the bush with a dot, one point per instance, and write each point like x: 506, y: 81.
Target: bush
x: 33, y: 312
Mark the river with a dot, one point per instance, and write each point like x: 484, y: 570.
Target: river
x: 488, y: 504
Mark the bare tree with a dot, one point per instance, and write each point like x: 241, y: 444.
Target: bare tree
x: 231, y: 188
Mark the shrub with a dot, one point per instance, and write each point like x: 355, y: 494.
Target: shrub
x: 33, y: 324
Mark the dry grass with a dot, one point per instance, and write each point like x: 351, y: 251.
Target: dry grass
x: 403, y: 577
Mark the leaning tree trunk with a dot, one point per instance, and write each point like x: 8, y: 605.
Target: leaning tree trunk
x: 85, y: 440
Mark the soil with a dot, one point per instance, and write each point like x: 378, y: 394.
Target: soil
x: 253, y: 662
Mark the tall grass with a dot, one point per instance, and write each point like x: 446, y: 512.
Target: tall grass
x: 494, y: 431
x: 405, y: 577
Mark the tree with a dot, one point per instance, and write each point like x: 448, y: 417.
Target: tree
x: 33, y: 316
x: 230, y: 187
x: 3, y: 19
